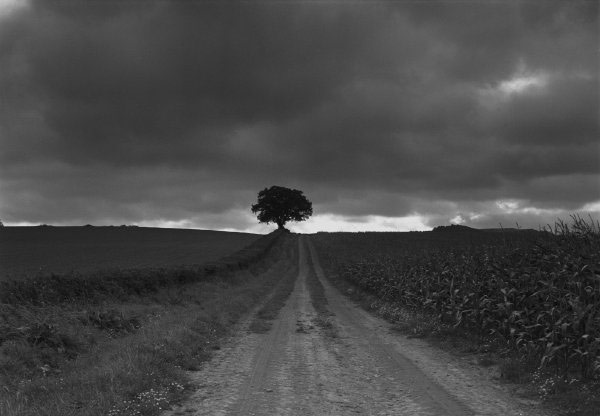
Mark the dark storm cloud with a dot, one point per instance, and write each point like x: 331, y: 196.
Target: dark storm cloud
x: 131, y: 111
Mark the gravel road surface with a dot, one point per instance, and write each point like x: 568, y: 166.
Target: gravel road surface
x: 360, y: 368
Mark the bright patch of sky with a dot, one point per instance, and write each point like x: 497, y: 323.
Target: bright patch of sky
x: 592, y: 207
x: 523, y: 83
x: 332, y: 223
x: 523, y: 80
x: 457, y: 220
x: 515, y: 206
x: 8, y: 7
x: 322, y: 222
x: 508, y: 206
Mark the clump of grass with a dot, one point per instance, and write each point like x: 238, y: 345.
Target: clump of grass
x: 487, y: 360
x: 147, y: 402
x: 112, y: 320
x: 517, y: 369
x: 569, y: 395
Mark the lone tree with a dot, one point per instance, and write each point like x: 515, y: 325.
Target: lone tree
x: 280, y: 205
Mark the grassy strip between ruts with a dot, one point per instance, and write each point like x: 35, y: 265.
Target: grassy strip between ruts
x: 125, y: 358
x: 525, y: 379
x: 268, y: 312
x: 318, y: 298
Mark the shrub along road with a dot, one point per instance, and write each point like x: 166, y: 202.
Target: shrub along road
x: 327, y: 356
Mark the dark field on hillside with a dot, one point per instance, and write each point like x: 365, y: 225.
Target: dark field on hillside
x: 395, y: 244
x: 34, y: 251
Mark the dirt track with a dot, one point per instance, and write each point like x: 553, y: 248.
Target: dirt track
x: 365, y: 369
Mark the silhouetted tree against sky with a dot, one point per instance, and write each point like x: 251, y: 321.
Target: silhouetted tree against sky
x: 279, y: 205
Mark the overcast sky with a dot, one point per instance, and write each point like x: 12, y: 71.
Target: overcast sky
x: 396, y: 115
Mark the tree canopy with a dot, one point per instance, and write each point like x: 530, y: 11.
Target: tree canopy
x: 279, y: 205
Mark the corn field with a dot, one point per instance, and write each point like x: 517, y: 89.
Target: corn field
x: 538, y: 292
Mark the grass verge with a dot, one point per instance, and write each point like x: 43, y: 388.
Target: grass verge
x: 123, y: 358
